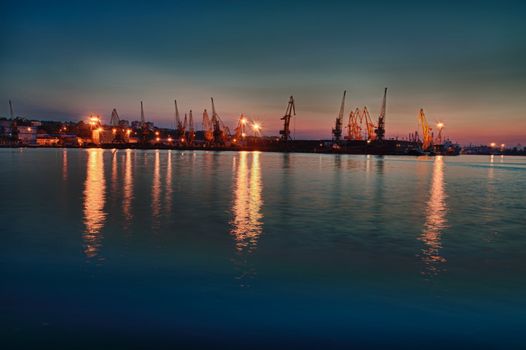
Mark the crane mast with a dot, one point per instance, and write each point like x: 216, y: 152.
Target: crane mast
x: 220, y: 131
x: 11, y: 110
x: 337, y: 131
x: 115, y: 120
x: 371, y: 131
x: 240, y: 130
x: 380, y: 131
x: 143, y: 122
x: 291, y: 110
x: 207, y: 128
x: 180, y: 126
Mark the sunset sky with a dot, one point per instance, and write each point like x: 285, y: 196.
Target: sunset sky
x: 462, y: 61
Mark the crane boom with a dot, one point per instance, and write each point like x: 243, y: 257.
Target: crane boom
x: 142, y: 116
x: 177, y: 118
x: 115, y: 120
x: 207, y: 128
x: 291, y: 110
x: 380, y: 131
x: 11, y: 109
x: 337, y: 131
x: 427, y: 135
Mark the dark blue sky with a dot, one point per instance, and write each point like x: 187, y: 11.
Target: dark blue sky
x: 463, y: 62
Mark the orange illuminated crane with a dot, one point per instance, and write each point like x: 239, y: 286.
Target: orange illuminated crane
x: 207, y: 129
x: 427, y: 135
x: 371, y: 128
x: 291, y: 110
x: 240, y: 131
x: 117, y: 130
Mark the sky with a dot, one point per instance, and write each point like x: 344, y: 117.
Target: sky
x: 462, y: 61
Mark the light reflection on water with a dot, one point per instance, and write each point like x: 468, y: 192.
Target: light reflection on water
x: 368, y: 187
x: 156, y: 190
x: 169, y: 188
x: 247, y: 222
x: 320, y: 240
x: 64, y: 164
x: 436, y: 220
x: 127, y: 196
x: 94, y: 201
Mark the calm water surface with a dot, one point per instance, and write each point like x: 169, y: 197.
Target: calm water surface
x: 147, y: 248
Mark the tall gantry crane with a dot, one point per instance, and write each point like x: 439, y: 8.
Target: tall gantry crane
x: 221, y: 133
x: 337, y: 131
x: 118, y: 132
x: 240, y: 130
x: 144, y: 132
x: 11, y: 114
x: 179, y: 125
x: 143, y: 121
x: 380, y: 130
x: 14, y: 127
x: 207, y: 129
x: 115, y: 120
x: 354, y: 126
x: 427, y: 136
x: 291, y: 110
x: 371, y: 128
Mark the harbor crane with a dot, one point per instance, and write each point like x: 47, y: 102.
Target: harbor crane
x: 143, y: 122
x: 207, y: 129
x: 14, y: 127
x: 380, y: 130
x: 221, y: 133
x: 118, y: 132
x: 240, y: 131
x: 144, y: 132
x: 115, y: 120
x: 427, y: 135
x: 11, y: 114
x: 371, y: 128
x: 180, y: 126
x: 337, y: 131
x: 291, y: 110
x: 354, y: 126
